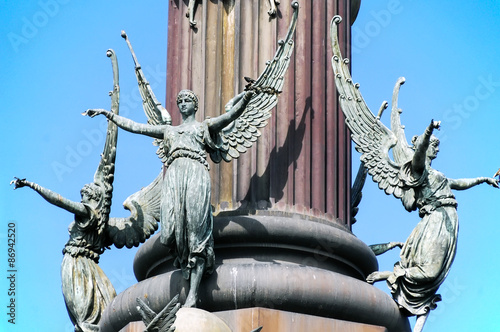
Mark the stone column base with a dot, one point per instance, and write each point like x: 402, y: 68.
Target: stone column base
x: 245, y: 320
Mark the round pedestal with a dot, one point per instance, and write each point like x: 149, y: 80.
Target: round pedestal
x: 274, y: 260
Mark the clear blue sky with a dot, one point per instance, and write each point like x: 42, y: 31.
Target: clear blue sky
x: 54, y: 67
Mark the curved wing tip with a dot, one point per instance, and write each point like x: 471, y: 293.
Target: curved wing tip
x: 337, y: 19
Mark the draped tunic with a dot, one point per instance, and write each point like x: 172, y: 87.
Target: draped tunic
x: 428, y: 253
x: 87, y: 290
x: 186, y: 211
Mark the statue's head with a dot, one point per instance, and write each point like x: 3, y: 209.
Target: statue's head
x: 90, y: 192
x: 433, y: 145
x: 186, y: 101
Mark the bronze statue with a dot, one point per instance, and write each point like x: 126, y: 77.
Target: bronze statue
x: 86, y: 289
x: 428, y: 253
x: 186, y: 213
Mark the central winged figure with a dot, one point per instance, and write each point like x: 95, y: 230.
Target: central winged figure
x: 428, y: 253
x: 186, y: 214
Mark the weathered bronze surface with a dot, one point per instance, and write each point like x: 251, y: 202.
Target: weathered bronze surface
x: 87, y: 291
x: 186, y: 212
x: 162, y: 321
x: 428, y: 253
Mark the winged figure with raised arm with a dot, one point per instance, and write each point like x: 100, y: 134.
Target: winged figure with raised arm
x: 86, y: 289
x: 186, y: 214
x: 428, y: 253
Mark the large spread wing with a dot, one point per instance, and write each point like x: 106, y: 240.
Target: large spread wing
x: 144, y: 207
x: 241, y: 133
x: 155, y: 112
x: 372, y: 138
x: 104, y: 174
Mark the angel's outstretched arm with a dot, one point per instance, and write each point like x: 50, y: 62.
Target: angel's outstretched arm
x: 462, y: 184
x: 129, y: 125
x: 241, y: 100
x: 419, y: 158
x: 52, y: 197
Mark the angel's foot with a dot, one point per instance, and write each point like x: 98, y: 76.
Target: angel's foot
x: 378, y: 276
x: 192, y: 23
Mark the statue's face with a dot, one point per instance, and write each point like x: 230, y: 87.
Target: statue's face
x: 433, y: 149
x: 86, y: 195
x: 187, y: 105
x: 89, y: 194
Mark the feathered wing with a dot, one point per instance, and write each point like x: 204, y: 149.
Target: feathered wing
x: 147, y: 314
x: 166, y: 318
x: 357, y: 191
x: 372, y: 139
x: 144, y: 207
x: 104, y: 174
x: 161, y: 322
x: 155, y: 112
x: 402, y: 152
x: 241, y: 133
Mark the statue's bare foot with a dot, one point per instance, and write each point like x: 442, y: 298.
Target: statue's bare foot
x: 378, y: 276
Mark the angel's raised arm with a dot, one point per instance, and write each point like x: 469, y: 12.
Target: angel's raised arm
x: 421, y: 146
x: 155, y: 131
x: 234, y: 109
x: 53, y: 197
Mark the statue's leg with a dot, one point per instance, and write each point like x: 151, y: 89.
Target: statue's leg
x: 194, y: 282
x: 419, y: 325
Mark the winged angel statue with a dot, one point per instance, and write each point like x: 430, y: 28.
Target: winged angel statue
x: 186, y: 215
x: 428, y: 253
x: 86, y: 289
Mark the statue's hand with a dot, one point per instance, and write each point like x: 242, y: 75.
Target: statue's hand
x: 249, y: 94
x: 397, y: 244
x: 492, y: 182
x: 19, y: 183
x: 435, y: 124
x: 372, y: 277
x: 93, y: 112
